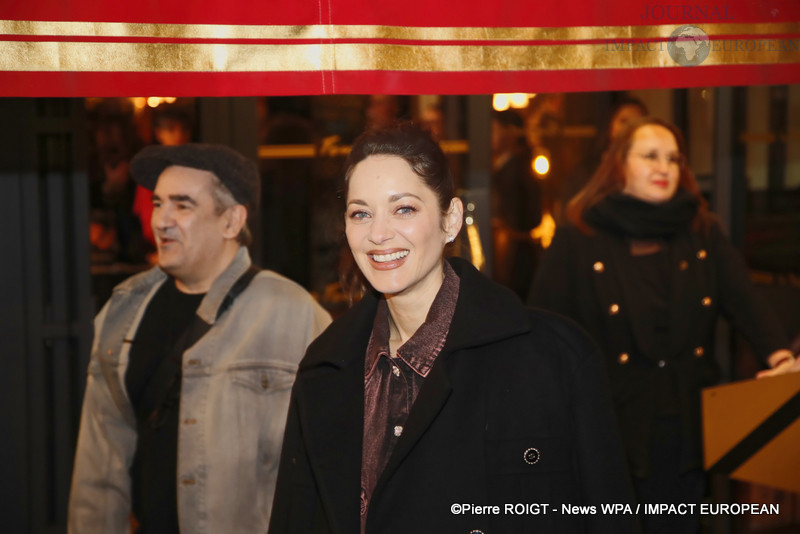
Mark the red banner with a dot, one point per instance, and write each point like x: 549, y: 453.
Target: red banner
x: 236, y: 48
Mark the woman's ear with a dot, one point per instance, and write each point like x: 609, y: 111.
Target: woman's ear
x: 454, y: 218
x: 235, y: 219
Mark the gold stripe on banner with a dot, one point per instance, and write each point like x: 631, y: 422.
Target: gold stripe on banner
x: 344, y: 32
x: 160, y: 57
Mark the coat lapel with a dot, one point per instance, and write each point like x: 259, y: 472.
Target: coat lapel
x: 431, y: 398
x: 483, y: 314
x: 331, y: 403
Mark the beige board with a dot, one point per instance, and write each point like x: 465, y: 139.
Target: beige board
x: 732, y: 411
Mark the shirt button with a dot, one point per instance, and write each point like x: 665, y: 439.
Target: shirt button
x: 188, y: 481
x: 193, y: 361
x: 398, y: 430
x: 706, y: 301
x: 598, y: 267
x: 613, y: 309
x: 623, y: 358
x: 662, y: 363
x: 701, y: 254
x: 396, y: 370
x: 699, y: 351
x: 110, y: 352
x: 189, y: 421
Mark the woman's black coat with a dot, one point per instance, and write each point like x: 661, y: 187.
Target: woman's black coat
x: 516, y: 410
x: 587, y: 278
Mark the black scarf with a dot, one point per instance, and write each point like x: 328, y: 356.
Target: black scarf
x: 630, y: 217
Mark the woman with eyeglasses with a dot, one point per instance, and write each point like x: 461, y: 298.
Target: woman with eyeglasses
x: 646, y: 269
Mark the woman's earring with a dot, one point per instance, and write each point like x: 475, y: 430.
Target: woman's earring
x: 450, y: 238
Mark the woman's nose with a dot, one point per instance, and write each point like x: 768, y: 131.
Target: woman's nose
x: 380, y: 230
x: 663, y: 164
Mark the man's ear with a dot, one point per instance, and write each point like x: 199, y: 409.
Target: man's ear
x: 235, y: 219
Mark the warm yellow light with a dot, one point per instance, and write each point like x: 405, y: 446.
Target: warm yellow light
x: 139, y: 102
x: 545, y: 231
x: 475, y: 247
x: 469, y: 220
x: 541, y: 165
x: 170, y: 99
x: 500, y: 102
x: 153, y: 101
x: 518, y: 100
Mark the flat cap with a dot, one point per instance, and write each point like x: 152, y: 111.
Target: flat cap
x: 236, y: 172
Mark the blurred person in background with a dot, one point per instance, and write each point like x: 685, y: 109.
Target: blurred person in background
x: 624, y: 110
x: 646, y: 270
x: 191, y: 364
x: 516, y: 203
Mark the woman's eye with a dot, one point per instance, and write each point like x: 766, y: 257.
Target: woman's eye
x: 358, y: 215
x: 650, y: 156
x: 675, y: 159
x: 406, y: 210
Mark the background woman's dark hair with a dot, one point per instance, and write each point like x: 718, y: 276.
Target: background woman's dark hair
x: 610, y: 175
x: 416, y: 146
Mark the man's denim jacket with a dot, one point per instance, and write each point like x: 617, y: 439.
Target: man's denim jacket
x: 234, y: 398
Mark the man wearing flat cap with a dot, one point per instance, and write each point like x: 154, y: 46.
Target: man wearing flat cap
x: 192, y: 363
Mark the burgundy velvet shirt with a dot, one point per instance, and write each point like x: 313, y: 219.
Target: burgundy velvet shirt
x: 391, y: 384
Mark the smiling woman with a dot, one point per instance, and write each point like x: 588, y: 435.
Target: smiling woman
x: 439, y: 387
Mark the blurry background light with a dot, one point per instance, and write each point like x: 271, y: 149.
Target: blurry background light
x: 541, y: 165
x: 500, y: 102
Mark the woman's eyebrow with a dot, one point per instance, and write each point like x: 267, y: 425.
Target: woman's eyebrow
x: 398, y: 196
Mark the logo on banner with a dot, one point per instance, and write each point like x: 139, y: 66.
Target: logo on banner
x: 688, y: 45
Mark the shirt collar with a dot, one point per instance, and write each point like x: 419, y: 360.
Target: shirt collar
x: 421, y: 350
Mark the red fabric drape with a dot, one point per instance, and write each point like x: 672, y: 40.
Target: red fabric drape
x: 237, y: 47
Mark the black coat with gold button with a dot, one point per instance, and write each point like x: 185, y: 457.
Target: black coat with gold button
x: 588, y: 278
x: 515, y: 411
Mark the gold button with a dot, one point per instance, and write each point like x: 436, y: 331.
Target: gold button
x: 110, y: 352
x: 623, y: 358
x: 613, y: 309
x: 699, y: 351
x: 189, y: 481
x: 683, y: 265
x: 701, y: 254
x: 706, y: 301
x: 598, y: 267
x: 193, y: 362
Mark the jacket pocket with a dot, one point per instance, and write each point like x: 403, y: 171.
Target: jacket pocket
x: 263, y: 377
x: 531, y: 475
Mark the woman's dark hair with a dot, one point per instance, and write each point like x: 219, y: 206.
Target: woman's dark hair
x: 610, y: 175
x: 416, y: 146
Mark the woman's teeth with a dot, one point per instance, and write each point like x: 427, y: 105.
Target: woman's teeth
x: 382, y: 258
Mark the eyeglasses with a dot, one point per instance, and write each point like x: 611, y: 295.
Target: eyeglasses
x: 654, y: 158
